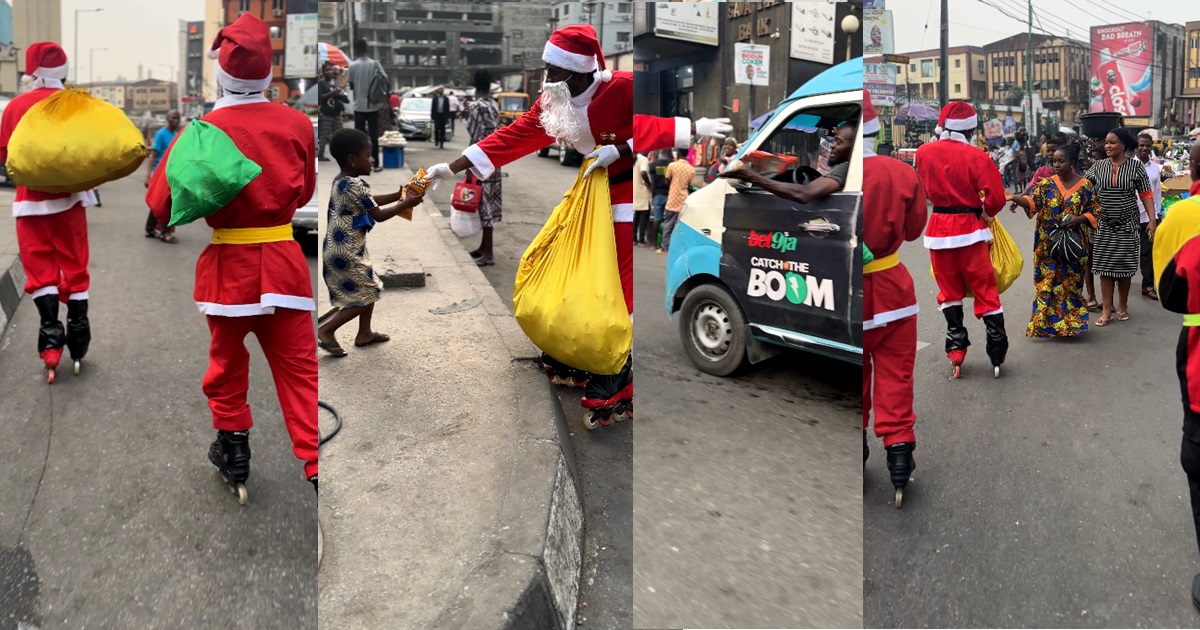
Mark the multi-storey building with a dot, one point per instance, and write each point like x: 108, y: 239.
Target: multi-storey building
x: 36, y: 21
x: 613, y: 22
x: 274, y: 13
x: 1061, y: 68
x: 1190, y: 93
x: 153, y: 96
x: 920, y: 77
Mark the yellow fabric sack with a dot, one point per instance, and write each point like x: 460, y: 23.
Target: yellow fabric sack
x: 1006, y: 258
x: 567, y: 297
x: 72, y: 142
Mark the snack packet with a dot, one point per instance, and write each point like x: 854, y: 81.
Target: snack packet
x: 769, y: 164
x: 419, y: 182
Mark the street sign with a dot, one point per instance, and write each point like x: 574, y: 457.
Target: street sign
x: 901, y: 59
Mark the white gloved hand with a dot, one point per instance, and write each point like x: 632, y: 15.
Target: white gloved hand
x: 604, y: 155
x: 713, y: 127
x: 439, y: 173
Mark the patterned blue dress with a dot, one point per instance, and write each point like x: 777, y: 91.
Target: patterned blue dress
x: 348, y: 274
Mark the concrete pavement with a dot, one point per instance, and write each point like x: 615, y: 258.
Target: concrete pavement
x: 1051, y: 497
x: 110, y: 514
x: 449, y: 494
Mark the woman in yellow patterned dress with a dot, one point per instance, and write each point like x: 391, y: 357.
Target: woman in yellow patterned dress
x: 1063, y: 200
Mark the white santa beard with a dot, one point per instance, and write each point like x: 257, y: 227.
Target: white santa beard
x: 558, y: 116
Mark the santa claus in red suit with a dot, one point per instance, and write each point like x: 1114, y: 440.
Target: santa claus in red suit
x: 52, y: 231
x: 591, y: 108
x: 966, y: 191
x: 254, y: 277
x: 893, y: 212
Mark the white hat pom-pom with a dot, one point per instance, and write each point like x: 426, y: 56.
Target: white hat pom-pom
x: 27, y: 79
x: 606, y: 75
x: 214, y: 53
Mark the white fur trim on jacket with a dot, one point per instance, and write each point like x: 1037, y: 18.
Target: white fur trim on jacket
x: 36, y: 83
x: 30, y: 208
x: 883, y: 319
x: 51, y: 290
x: 960, y: 240
x: 481, y: 164
x: 567, y: 60
x: 234, y: 84
x: 948, y: 134
x: 622, y: 213
x: 269, y: 302
x: 870, y: 127
x: 683, y: 133
x: 229, y: 100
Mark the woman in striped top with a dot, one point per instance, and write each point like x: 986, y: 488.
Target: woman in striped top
x: 1118, y: 181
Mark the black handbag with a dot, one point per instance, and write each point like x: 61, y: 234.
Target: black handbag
x: 1066, y: 244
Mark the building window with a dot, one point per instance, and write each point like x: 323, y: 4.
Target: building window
x: 624, y: 7
x: 980, y: 65
x: 277, y: 5
x: 277, y: 59
x: 958, y: 63
x: 623, y: 37
x: 243, y: 5
x: 958, y: 90
x: 912, y: 67
x: 275, y: 32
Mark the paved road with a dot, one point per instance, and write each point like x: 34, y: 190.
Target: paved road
x: 110, y: 513
x: 1049, y: 498
x: 532, y: 188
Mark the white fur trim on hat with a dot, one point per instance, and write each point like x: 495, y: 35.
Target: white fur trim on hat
x: 57, y: 72
x: 567, y: 60
x: 962, y: 124
x: 234, y: 84
x: 871, y: 127
x: 214, y: 53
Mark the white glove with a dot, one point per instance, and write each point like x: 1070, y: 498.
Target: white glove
x: 439, y: 173
x: 713, y: 127
x: 605, y: 155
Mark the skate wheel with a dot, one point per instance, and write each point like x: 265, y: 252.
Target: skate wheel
x: 77, y: 367
x: 589, y: 420
x: 957, y: 372
x: 242, y: 495
x: 996, y: 372
x: 50, y: 376
x: 899, y: 497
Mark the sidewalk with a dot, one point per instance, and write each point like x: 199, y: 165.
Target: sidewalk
x: 449, y: 501
x: 12, y: 276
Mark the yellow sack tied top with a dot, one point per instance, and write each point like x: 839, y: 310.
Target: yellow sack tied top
x: 71, y: 142
x: 567, y: 297
x: 882, y: 264
x: 250, y: 236
x: 1006, y: 257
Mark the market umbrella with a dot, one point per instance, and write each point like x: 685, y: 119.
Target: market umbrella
x: 332, y: 54
x: 915, y: 112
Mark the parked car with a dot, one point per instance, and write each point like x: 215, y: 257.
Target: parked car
x: 304, y: 222
x: 750, y: 273
x: 567, y: 155
x: 416, y: 121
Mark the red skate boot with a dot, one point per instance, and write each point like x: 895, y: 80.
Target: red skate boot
x: 52, y: 335
x: 607, y: 397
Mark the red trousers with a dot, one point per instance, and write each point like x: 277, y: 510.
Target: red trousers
x: 288, y: 341
x: 54, y: 253
x: 624, y: 233
x: 890, y: 353
x: 961, y: 268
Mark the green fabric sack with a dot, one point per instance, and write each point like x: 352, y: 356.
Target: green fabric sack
x: 867, y: 255
x: 205, y: 171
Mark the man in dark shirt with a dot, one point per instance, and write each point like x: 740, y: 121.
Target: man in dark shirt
x: 440, y: 113
x: 660, y: 188
x: 330, y: 104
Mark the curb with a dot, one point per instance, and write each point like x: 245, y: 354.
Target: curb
x: 12, y: 283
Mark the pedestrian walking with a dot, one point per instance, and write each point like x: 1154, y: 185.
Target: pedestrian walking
x: 353, y: 285
x: 660, y: 191
x: 331, y: 103
x: 483, y: 119
x: 1119, y: 180
x: 893, y: 212
x: 643, y: 196
x: 1145, y: 144
x: 52, y: 229
x: 369, y: 82
x: 439, y: 111
x: 455, y: 109
x: 1177, y: 270
x: 1064, y: 201
x: 955, y: 175
x: 162, y: 141
x: 680, y: 174
x: 253, y: 277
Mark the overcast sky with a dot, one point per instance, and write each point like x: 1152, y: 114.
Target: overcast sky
x: 133, y: 32
x: 978, y: 22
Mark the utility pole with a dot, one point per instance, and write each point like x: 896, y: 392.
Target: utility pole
x: 350, y: 25
x: 943, y: 60
x: 1029, y: 122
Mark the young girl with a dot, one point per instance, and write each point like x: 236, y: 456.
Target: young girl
x: 353, y: 285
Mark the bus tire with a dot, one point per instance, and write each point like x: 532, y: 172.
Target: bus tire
x: 713, y: 330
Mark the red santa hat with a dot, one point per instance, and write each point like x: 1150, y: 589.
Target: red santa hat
x: 244, y: 56
x: 45, y: 60
x: 870, y: 118
x: 958, y: 116
x: 576, y: 48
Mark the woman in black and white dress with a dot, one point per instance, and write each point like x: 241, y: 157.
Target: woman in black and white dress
x: 483, y: 118
x: 1119, y: 180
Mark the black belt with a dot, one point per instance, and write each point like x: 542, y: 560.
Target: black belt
x: 957, y: 210
x: 621, y: 178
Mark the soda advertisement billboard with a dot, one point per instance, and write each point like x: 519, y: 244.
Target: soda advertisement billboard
x: 1122, y: 57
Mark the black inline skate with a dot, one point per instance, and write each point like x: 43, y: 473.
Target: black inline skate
x: 997, y: 341
x: 230, y: 453
x: 608, y: 396
x: 901, y: 466
x: 51, y: 334
x: 562, y: 374
x: 79, y: 332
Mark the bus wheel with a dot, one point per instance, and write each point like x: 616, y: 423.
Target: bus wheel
x: 713, y: 330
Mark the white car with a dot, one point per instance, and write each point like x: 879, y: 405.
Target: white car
x: 304, y: 222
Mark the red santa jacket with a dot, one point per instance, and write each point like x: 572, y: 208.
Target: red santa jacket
x: 235, y: 280
x: 1177, y: 275
x: 35, y: 202
x: 893, y: 212
x: 956, y: 174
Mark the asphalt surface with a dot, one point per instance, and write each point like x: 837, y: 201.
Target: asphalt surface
x: 1051, y: 497
x: 110, y: 513
x: 532, y: 188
